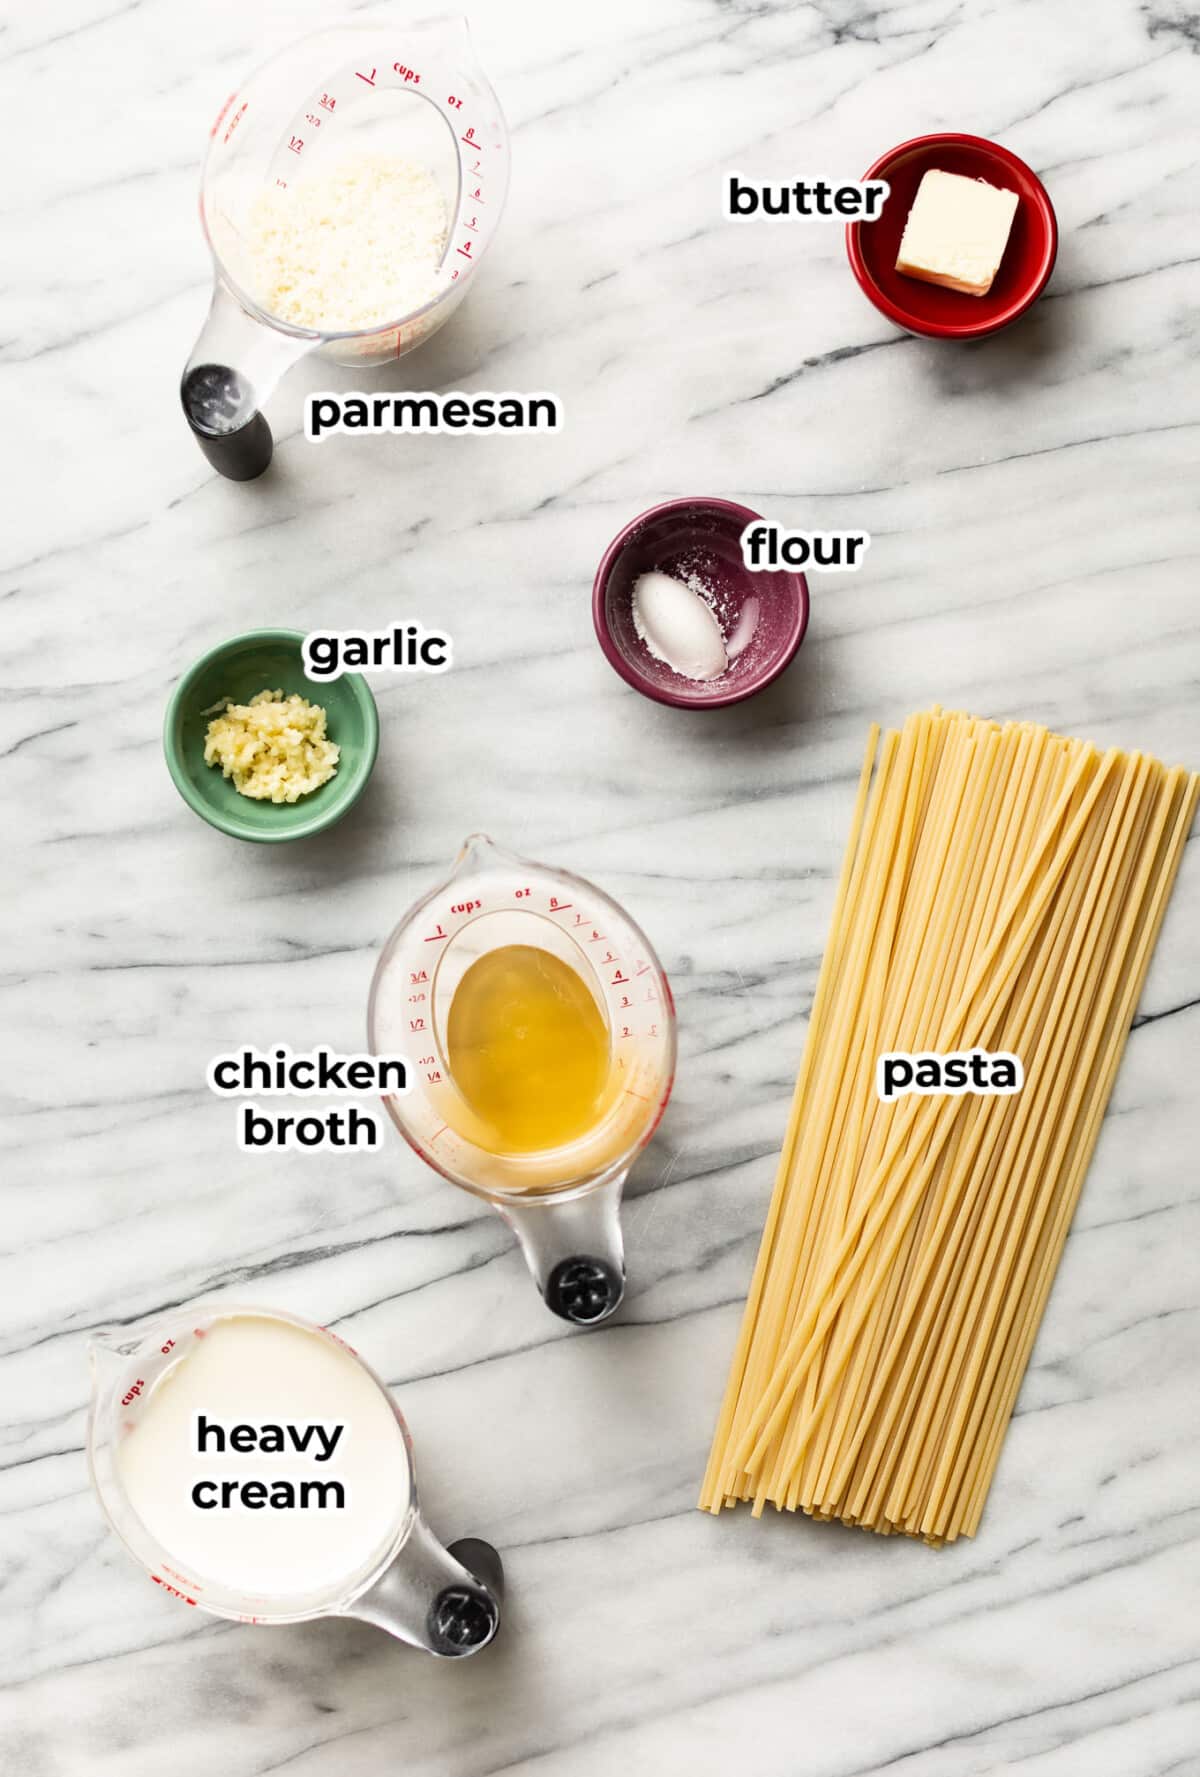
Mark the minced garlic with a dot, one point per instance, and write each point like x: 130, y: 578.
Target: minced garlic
x: 274, y: 747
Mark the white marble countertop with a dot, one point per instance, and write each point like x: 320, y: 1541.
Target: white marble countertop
x: 1033, y: 504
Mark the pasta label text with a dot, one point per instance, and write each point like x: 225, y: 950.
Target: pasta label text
x: 964, y: 1070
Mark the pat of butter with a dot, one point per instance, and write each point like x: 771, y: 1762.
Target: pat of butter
x: 956, y: 232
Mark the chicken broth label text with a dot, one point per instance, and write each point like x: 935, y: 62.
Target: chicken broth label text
x: 281, y: 1072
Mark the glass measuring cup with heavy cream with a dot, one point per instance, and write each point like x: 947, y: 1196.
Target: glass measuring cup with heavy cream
x: 540, y: 1036
x: 258, y: 1469
x: 351, y: 187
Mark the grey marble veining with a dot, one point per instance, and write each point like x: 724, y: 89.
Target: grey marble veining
x: 1033, y: 506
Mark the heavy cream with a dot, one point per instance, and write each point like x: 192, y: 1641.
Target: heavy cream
x: 267, y: 1460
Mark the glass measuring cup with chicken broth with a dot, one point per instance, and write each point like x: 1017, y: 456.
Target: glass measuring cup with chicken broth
x: 540, y: 1035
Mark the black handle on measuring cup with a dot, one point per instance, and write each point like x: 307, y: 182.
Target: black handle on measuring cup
x: 464, y: 1618
x: 584, y: 1290
x: 218, y: 404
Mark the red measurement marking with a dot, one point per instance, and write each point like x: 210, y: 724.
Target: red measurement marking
x: 219, y: 119
x: 598, y: 938
x: 465, y: 251
x: 311, y: 117
x: 417, y: 976
x: 607, y: 958
x: 470, y: 136
x: 297, y: 144
x: 369, y: 78
x: 643, y: 968
x: 477, y: 195
x: 557, y: 906
x: 619, y: 980
x: 237, y: 118
x: 441, y: 1131
x: 630, y: 1093
x: 472, y: 224
x: 326, y: 103
x: 580, y: 920
x: 434, y: 936
x: 173, y: 1590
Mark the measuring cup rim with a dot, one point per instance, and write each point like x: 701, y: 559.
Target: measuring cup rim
x: 323, y: 336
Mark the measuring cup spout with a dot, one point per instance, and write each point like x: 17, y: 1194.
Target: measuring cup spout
x: 105, y: 1359
x: 478, y: 851
x: 454, y: 37
x: 575, y: 1250
x: 446, y: 1601
x: 234, y: 366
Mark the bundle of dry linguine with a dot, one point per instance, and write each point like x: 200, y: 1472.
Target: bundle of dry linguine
x: 1002, y: 889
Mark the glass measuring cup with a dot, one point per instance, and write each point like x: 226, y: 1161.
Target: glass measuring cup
x: 446, y: 1601
x: 562, y: 1203
x: 416, y: 92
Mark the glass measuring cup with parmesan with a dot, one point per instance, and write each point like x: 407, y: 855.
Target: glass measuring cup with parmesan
x: 351, y: 188
x: 540, y: 1035
x: 261, y: 1471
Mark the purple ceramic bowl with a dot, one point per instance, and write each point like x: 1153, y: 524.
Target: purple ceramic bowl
x: 699, y: 537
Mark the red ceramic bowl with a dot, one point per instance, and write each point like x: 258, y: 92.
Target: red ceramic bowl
x: 929, y: 309
x: 702, y: 537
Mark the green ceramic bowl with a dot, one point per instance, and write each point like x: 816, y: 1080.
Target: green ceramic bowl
x: 267, y: 660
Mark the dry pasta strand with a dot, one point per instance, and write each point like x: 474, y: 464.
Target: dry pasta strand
x: 1002, y: 888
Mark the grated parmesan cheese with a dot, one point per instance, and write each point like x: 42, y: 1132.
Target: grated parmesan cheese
x: 274, y: 748
x: 359, y: 246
